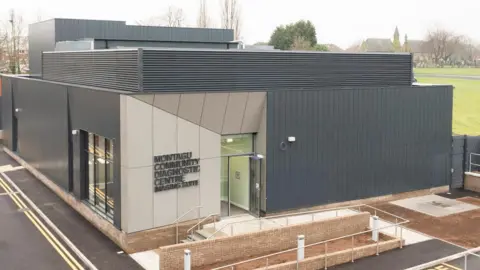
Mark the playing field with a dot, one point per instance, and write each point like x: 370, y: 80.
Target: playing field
x: 448, y: 71
x: 466, y: 103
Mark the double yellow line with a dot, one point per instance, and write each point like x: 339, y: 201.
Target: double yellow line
x: 69, y: 259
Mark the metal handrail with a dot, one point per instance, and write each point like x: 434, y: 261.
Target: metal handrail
x: 201, y: 221
x: 184, y: 214
x: 447, y: 259
x: 318, y: 243
x: 313, y: 212
x: 236, y: 222
x: 471, y: 163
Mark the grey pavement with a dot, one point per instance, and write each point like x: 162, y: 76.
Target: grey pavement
x: 450, y: 76
x: 98, y: 248
x: 400, y: 259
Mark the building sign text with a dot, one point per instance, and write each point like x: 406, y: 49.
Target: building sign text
x: 170, y: 170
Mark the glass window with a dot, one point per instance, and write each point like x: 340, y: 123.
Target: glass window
x: 237, y: 144
x: 100, y: 174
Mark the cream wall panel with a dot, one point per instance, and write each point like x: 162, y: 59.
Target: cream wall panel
x: 191, y: 106
x: 167, y: 102
x: 214, y: 111
x: 139, y: 198
x: 253, y: 112
x: 137, y: 124
x: 232, y: 123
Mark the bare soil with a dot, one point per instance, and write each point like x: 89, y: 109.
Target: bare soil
x: 462, y: 229
x: 342, y: 244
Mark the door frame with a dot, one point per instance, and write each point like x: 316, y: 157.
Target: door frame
x: 254, y: 210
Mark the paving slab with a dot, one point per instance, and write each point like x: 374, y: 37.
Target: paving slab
x: 434, y: 205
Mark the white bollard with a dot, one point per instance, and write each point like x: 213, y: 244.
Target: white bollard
x: 186, y: 260
x: 301, y: 247
x: 375, y: 228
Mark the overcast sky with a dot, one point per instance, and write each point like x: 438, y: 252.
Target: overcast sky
x: 341, y: 22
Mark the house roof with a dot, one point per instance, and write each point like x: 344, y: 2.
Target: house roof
x: 378, y: 45
x: 334, y: 48
x: 415, y: 45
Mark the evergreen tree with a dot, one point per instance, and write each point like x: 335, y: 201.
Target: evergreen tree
x: 397, y: 47
x: 406, y: 46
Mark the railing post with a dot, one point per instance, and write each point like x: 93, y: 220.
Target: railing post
x: 186, y: 260
x: 465, y: 262
x: 396, y: 222
x: 300, y: 247
x: 401, y: 239
x: 266, y: 266
x: 336, y: 213
x: 353, y: 245
x: 287, y: 220
x: 176, y: 231
x: 326, y: 247
x: 377, y: 246
x: 260, y: 223
x: 231, y: 229
x: 375, y: 229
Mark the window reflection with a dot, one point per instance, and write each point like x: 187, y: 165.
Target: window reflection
x: 100, y: 174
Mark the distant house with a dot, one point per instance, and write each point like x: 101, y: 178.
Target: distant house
x: 333, y: 48
x: 377, y: 45
x: 417, y: 48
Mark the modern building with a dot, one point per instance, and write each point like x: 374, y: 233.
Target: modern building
x: 142, y: 136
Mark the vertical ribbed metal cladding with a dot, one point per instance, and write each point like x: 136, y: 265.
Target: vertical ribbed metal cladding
x: 356, y: 143
x: 114, y: 69
x: 226, y: 70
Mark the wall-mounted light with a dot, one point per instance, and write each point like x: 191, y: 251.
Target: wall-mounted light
x: 74, y: 132
x: 291, y: 139
x: 229, y: 140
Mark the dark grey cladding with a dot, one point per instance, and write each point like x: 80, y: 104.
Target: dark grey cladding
x: 160, y: 70
x: 115, y: 69
x: 356, y: 143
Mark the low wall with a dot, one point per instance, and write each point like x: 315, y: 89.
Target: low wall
x: 336, y: 258
x: 245, y: 246
x: 372, y: 200
x: 472, y: 181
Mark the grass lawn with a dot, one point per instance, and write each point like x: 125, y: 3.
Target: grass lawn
x: 448, y: 71
x: 466, y: 103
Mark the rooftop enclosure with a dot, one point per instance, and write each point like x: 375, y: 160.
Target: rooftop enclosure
x: 43, y: 36
x: 224, y: 70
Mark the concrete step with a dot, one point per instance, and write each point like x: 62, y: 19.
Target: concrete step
x: 184, y: 241
x: 196, y: 237
x: 207, y: 232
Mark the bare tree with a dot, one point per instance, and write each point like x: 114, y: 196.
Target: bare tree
x: 174, y: 17
x: 13, y: 44
x: 203, y: 20
x: 231, y: 16
x: 441, y: 45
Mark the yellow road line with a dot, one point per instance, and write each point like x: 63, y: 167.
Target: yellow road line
x: 72, y: 262
x: 451, y: 266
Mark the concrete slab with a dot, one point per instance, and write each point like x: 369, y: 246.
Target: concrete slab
x: 149, y: 260
x: 434, y: 205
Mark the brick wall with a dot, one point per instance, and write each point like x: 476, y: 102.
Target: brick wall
x: 472, y: 182
x: 241, y: 247
x: 159, y: 237
x: 336, y: 258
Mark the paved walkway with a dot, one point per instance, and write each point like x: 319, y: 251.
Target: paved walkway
x: 409, y: 256
x: 463, y: 77
x: 100, y: 250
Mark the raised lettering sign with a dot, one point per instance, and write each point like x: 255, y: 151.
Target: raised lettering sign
x: 169, y: 171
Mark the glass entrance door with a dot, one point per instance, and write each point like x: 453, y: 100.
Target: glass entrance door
x: 240, y: 187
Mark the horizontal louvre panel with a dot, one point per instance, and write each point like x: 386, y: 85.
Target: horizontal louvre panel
x: 116, y: 70
x: 191, y: 70
x: 225, y: 70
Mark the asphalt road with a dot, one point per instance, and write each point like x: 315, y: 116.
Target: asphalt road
x: 463, y: 77
x: 25, y: 241
x: 23, y: 247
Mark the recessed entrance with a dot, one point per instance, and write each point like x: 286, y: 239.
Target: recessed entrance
x: 240, y: 186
